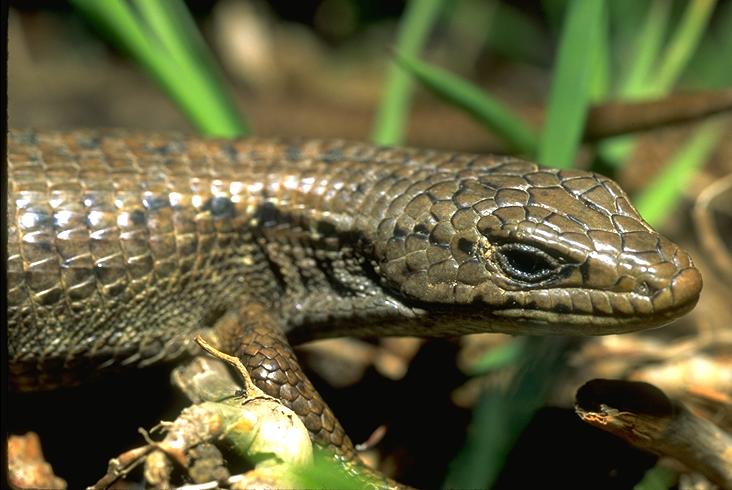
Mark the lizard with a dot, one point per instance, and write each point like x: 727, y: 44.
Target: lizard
x: 122, y: 245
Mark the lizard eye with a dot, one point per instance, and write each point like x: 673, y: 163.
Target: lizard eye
x: 525, y: 263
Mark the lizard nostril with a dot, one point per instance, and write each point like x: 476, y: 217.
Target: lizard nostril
x: 643, y: 288
x: 654, y: 280
x: 650, y: 284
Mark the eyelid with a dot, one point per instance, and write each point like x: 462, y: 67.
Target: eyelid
x: 526, y: 248
x: 549, y: 265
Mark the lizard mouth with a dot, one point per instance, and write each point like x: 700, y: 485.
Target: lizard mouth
x: 608, y: 312
x: 558, y: 311
x: 547, y: 322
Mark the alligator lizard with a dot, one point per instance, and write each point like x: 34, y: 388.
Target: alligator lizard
x: 121, y: 245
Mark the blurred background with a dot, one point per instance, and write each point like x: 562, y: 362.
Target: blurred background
x: 485, y: 410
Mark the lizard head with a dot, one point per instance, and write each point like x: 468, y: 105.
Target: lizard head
x: 522, y: 249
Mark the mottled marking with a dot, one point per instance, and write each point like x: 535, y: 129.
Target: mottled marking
x: 89, y: 142
x: 220, y: 207
x: 229, y: 151
x: 325, y: 228
x: 155, y: 203
x: 421, y: 230
x: 399, y: 232
x: 333, y: 155
x: 138, y: 217
x: 267, y: 214
x: 562, y: 308
x: 293, y: 152
x: 466, y: 246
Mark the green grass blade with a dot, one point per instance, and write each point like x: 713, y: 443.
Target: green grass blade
x: 657, y: 478
x: 326, y: 472
x: 705, y: 69
x: 600, y: 75
x: 467, y: 26
x: 162, y: 37
x: 569, y: 94
x: 501, y: 415
x: 490, y: 112
x: 647, y: 48
x: 656, y: 199
x: 117, y: 21
x: 683, y: 44
x: 627, y: 18
x: 499, y: 357
x: 515, y: 35
x: 417, y: 22
x: 173, y: 28
x: 646, y: 79
x: 554, y: 11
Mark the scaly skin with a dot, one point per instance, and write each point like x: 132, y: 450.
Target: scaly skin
x: 121, y: 245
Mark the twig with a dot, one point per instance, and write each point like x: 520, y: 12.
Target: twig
x: 644, y: 416
x: 250, y: 389
x: 121, y: 465
x: 616, y: 118
x: 708, y: 232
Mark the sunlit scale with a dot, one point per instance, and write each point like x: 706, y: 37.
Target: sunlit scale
x: 55, y: 202
x: 65, y: 234
x: 123, y: 220
x: 29, y: 220
x: 291, y: 182
x: 255, y: 187
x: 95, y: 218
x: 175, y: 198
x: 23, y: 200
x: 321, y: 187
x: 236, y: 187
x: 306, y: 184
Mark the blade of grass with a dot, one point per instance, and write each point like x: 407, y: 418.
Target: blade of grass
x: 599, y: 85
x: 498, y: 357
x: 646, y: 79
x: 327, y: 472
x: 161, y: 37
x: 683, y: 44
x: 554, y: 12
x: 417, y: 22
x: 174, y: 29
x: 515, y: 35
x: 501, y: 415
x: 654, y: 202
x: 627, y: 19
x: 705, y: 69
x: 569, y: 94
x: 488, y: 111
x: 646, y: 50
x: 468, y: 25
x: 657, y: 478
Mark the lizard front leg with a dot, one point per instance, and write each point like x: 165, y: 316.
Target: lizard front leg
x: 254, y: 333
